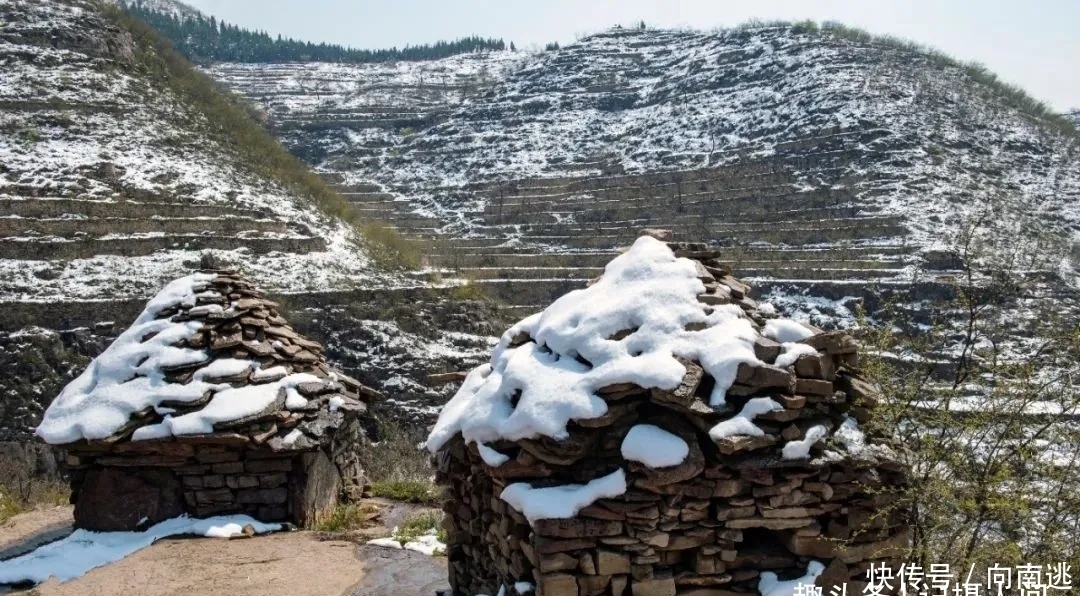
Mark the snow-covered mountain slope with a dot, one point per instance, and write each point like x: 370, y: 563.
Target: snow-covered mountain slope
x: 922, y: 140
x: 1074, y: 115
x: 113, y: 180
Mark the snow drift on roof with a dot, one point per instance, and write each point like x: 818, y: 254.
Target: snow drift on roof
x: 129, y: 377
x: 628, y: 327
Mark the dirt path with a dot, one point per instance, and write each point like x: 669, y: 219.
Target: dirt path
x: 23, y: 533
x: 285, y: 564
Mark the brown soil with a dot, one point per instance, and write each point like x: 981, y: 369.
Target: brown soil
x: 287, y: 563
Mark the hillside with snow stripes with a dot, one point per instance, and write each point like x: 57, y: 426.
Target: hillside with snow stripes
x: 114, y: 182
x: 925, y: 140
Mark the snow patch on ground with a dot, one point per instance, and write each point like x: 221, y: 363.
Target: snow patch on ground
x: 88, y: 131
x: 84, y: 550
x: 428, y: 544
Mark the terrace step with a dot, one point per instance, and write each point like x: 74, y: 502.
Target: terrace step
x: 792, y: 236
x: 61, y: 248
x: 706, y: 228
x: 521, y: 273
x: 465, y: 260
x: 57, y: 207
x: 816, y: 273
x: 70, y: 227
x: 528, y: 291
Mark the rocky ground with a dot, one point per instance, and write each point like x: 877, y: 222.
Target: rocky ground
x: 269, y: 565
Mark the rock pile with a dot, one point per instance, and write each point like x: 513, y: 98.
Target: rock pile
x: 209, y: 404
x: 668, y: 490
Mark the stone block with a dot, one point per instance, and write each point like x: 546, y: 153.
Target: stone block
x: 577, y: 528
x: 260, y: 466
x: 558, y: 584
x: 593, y: 585
x: 261, y: 496
x: 653, y: 587
x: 241, y: 481
x: 819, y: 366
x: 213, y: 455
x: 320, y: 489
x: 216, y: 495
x: 233, y: 467
x: 612, y: 563
x: 111, y: 499
x: 814, y: 387
x: 558, y: 562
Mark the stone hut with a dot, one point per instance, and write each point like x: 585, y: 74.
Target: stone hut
x: 660, y: 434
x: 209, y: 404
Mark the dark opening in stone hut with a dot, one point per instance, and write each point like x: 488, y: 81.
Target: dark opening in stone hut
x: 657, y: 434
x: 209, y: 404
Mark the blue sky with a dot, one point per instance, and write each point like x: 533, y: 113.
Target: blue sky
x: 1035, y: 44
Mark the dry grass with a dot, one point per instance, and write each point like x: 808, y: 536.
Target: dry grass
x: 420, y: 524
x: 22, y: 491
x: 349, y: 517
x: 399, y: 467
x: 397, y: 455
x: 409, y: 491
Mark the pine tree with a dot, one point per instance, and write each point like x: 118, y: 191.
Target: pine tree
x: 202, y: 39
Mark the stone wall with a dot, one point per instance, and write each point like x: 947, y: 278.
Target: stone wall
x: 135, y: 485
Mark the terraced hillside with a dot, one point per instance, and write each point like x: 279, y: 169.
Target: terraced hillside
x: 112, y: 180
x: 822, y: 162
x: 116, y: 176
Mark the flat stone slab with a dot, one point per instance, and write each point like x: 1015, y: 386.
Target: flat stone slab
x: 394, y: 572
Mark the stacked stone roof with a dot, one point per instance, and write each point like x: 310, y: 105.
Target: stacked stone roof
x: 229, y: 341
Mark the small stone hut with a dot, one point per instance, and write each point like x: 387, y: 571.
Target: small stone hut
x: 660, y: 434
x: 209, y: 404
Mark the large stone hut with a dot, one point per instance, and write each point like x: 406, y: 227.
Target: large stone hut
x: 209, y: 404
x: 659, y: 434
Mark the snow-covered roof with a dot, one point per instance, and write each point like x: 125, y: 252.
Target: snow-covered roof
x: 662, y: 354
x: 637, y: 325
x: 208, y: 352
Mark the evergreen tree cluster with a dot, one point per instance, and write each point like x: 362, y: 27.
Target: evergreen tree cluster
x: 203, y: 39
